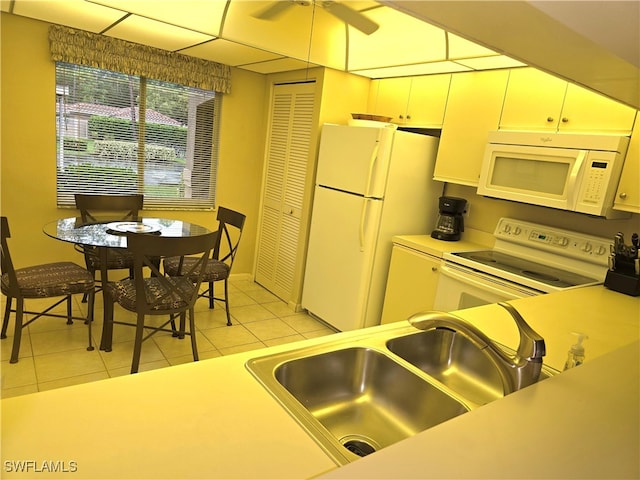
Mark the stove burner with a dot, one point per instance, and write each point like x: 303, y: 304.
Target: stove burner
x: 540, y: 276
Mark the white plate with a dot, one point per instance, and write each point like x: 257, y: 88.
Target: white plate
x: 120, y: 228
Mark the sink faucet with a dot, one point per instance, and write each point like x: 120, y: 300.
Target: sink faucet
x: 517, y: 371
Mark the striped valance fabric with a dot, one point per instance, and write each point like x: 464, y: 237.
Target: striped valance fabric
x: 85, y: 48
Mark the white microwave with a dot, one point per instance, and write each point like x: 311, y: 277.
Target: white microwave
x: 575, y: 172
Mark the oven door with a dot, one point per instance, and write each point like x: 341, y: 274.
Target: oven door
x: 460, y: 287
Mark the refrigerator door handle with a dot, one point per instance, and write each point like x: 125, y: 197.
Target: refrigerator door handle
x: 372, y: 162
x: 363, y: 216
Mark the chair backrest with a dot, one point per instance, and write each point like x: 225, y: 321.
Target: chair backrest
x: 230, y: 225
x: 6, y: 262
x: 147, y: 249
x: 113, y: 207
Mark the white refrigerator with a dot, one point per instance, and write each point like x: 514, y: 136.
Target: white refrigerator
x: 372, y: 182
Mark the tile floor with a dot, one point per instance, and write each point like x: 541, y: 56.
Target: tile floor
x: 53, y: 354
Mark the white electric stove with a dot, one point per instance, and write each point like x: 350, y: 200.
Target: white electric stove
x: 527, y: 259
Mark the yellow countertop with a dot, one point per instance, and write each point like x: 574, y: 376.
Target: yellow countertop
x: 209, y: 419
x: 581, y: 424
x: 471, y: 240
x: 212, y: 419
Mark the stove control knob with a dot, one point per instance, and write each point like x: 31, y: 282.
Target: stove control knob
x: 517, y: 231
x: 587, y: 247
x: 601, y: 250
x: 563, y: 241
x: 506, y: 228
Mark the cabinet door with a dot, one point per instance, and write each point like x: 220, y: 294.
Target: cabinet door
x: 587, y: 111
x: 628, y: 194
x: 427, y: 100
x: 411, y: 284
x: 288, y: 152
x: 392, y: 98
x: 533, y: 101
x: 473, y: 109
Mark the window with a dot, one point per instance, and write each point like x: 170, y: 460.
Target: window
x: 120, y: 133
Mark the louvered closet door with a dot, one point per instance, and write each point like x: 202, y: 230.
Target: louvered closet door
x: 287, y: 158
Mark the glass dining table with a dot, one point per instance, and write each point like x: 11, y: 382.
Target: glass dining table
x: 107, y: 234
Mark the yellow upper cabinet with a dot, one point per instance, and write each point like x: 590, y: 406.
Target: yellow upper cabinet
x: 587, y: 111
x: 416, y: 101
x: 538, y: 101
x: 389, y: 97
x: 473, y: 109
x: 628, y: 194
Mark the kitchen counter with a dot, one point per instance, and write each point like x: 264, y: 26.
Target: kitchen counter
x: 581, y: 424
x: 212, y: 419
x: 471, y: 240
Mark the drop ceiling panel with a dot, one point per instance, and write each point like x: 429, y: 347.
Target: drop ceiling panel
x: 431, y: 68
x: 229, y: 53
x: 400, y: 40
x: 462, y: 48
x: 288, y: 35
x: 329, y: 44
x: 276, y: 66
x: 77, y: 14
x: 490, y: 63
x: 203, y: 16
x: 156, y: 34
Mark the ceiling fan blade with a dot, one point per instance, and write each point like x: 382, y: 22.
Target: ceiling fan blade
x: 274, y: 10
x: 351, y: 17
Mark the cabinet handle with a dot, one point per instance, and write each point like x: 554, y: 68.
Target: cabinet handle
x: 565, y: 120
x: 408, y: 117
x: 549, y: 119
x: 623, y: 195
x: 401, y: 117
x: 434, y: 269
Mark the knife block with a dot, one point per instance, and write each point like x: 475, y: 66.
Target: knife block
x: 626, y: 283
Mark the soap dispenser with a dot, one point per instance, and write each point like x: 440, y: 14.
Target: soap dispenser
x: 575, y: 356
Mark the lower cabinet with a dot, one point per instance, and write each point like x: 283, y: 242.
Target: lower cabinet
x: 411, y: 284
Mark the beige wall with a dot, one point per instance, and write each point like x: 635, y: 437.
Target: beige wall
x: 28, y: 148
x: 484, y: 214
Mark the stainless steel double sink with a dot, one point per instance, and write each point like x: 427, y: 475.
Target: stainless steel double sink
x: 355, y: 396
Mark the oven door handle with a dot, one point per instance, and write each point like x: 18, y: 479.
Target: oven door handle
x: 484, y: 282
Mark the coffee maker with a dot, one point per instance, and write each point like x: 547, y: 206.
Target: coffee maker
x: 450, y: 222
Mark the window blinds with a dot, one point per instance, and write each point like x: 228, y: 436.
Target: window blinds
x: 121, y: 133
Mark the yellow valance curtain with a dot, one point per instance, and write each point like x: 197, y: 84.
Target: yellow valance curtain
x: 85, y: 48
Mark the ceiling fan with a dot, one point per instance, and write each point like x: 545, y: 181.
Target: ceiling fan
x: 340, y: 10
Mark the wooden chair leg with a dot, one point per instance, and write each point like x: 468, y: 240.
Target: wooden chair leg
x: 192, y: 330
x: 226, y: 301
x: 182, y: 325
x: 107, y: 323
x: 173, y: 326
x: 85, y: 296
x: 17, y: 334
x: 69, y: 313
x: 89, y: 320
x: 210, y: 294
x: 5, y: 322
x: 137, y: 346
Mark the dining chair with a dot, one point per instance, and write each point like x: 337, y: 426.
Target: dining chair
x: 230, y: 225
x: 101, y: 208
x: 50, y: 280
x: 159, y: 293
